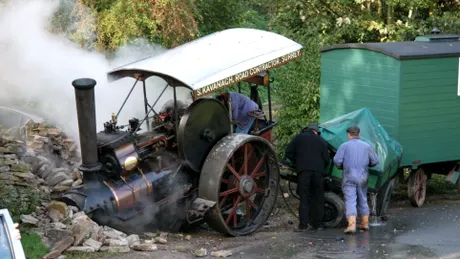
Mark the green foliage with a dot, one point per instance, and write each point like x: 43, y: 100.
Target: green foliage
x: 298, y: 92
x: 106, y: 25
x: 218, y: 15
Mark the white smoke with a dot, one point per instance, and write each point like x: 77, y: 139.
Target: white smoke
x: 38, y: 66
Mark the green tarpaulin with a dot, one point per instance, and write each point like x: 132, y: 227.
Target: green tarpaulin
x: 388, y: 149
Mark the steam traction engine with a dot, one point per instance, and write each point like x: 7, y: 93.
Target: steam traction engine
x: 186, y: 167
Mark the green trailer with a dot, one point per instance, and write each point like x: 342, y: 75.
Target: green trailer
x: 413, y: 89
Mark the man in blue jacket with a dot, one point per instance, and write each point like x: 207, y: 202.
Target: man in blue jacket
x: 242, y: 107
x: 355, y: 157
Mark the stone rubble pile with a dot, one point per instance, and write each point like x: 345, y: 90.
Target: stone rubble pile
x: 65, y: 229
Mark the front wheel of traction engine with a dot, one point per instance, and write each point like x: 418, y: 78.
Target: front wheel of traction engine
x: 241, y: 175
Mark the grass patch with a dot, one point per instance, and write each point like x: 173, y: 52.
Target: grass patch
x: 32, y: 245
x: 35, y: 249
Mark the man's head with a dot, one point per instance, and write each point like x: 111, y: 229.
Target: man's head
x: 353, y: 132
x: 223, y: 98
x: 313, y: 127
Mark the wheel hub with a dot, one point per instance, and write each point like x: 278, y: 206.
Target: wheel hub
x: 247, y: 186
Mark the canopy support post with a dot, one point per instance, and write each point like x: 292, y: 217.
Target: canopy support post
x: 152, y: 107
x: 126, y: 99
x: 146, y: 104
x: 269, y: 99
x: 176, y: 113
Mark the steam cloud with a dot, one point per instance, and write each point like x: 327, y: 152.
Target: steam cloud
x: 38, y: 66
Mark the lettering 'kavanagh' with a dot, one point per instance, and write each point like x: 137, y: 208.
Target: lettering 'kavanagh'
x: 248, y: 73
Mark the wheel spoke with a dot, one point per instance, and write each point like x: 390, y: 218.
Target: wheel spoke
x: 260, y: 174
x: 233, y: 172
x: 224, y: 180
x: 245, y: 159
x: 259, y: 164
x: 248, y: 210
x: 222, y: 202
x: 248, y: 201
x: 233, y: 212
x: 251, y: 152
x: 227, y: 192
x: 260, y: 190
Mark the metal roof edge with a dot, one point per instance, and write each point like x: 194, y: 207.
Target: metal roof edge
x: 370, y: 47
x: 360, y: 46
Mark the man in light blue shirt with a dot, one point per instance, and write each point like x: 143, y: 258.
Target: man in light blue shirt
x: 355, y: 157
x: 241, y: 107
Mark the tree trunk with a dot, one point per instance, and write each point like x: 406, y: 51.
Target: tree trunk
x: 390, y: 14
x: 379, y: 8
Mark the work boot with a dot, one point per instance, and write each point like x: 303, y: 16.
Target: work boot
x: 351, y: 229
x: 364, y: 226
x: 301, y: 228
x: 319, y: 227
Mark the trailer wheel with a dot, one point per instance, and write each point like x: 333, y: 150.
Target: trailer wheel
x: 241, y: 175
x: 416, y: 187
x: 384, y: 197
x: 334, y: 210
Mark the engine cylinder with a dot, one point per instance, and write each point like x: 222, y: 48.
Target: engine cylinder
x: 86, y: 112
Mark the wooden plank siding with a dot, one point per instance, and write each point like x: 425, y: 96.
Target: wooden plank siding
x: 429, y: 110
x: 355, y: 78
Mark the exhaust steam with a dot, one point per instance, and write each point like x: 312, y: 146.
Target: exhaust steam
x: 37, y: 68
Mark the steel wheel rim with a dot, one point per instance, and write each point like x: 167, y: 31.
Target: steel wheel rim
x: 420, y: 186
x: 241, y: 181
x: 330, y: 212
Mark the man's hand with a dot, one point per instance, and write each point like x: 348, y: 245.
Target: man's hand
x: 235, y: 122
x: 17, y: 234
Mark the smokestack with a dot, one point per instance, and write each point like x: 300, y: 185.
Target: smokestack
x: 86, y: 111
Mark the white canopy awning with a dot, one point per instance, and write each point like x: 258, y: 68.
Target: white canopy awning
x: 215, y: 61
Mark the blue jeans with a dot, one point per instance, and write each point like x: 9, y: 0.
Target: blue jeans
x: 237, y: 129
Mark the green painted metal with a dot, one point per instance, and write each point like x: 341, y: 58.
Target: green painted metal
x: 429, y: 110
x: 416, y: 100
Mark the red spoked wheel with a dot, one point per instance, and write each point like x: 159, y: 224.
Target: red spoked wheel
x: 416, y: 187
x: 241, y: 175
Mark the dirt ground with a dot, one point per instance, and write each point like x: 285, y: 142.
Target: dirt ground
x: 427, y: 232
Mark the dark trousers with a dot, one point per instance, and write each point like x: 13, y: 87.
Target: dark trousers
x: 310, y: 188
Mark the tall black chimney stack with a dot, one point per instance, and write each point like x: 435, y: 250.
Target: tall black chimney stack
x: 86, y: 111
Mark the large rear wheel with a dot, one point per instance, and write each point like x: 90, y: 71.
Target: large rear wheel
x: 241, y: 175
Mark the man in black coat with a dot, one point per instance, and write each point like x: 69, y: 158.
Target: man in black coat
x: 309, y: 153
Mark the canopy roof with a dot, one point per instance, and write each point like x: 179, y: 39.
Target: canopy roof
x: 215, y: 61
